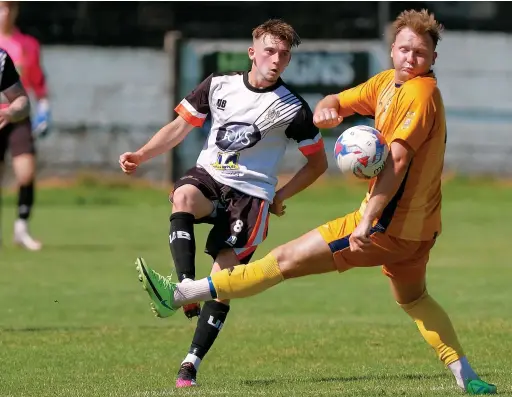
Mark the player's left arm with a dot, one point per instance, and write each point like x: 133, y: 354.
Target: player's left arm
x: 414, y: 124
x: 12, y: 89
x: 389, y: 179
x: 311, y: 144
x: 19, y: 105
x: 38, y: 85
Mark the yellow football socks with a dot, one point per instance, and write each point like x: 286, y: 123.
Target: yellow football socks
x: 435, y: 327
x: 246, y: 280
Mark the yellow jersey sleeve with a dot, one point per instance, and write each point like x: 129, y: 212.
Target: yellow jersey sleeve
x: 362, y: 99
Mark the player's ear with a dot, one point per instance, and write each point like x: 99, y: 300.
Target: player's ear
x: 251, y: 51
x: 391, y: 52
x: 434, y: 58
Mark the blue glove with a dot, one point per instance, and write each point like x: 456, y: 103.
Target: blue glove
x: 41, y: 121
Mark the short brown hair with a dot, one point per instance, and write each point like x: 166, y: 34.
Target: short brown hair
x: 279, y: 29
x: 421, y: 22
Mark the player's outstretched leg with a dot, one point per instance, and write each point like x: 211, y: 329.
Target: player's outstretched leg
x: 436, y: 328
x: 309, y: 254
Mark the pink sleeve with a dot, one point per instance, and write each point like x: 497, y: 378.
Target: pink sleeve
x: 35, y: 76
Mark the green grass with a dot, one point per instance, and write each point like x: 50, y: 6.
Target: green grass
x: 74, y: 320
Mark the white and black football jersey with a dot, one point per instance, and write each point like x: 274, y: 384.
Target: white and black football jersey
x: 250, y: 129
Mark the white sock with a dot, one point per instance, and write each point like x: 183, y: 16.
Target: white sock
x: 462, y: 372
x: 192, y: 292
x: 20, y: 226
x: 192, y: 358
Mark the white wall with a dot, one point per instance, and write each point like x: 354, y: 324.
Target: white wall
x: 104, y: 101
x: 475, y: 76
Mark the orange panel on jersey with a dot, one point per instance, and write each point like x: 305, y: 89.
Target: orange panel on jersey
x: 189, y: 117
x: 313, y: 148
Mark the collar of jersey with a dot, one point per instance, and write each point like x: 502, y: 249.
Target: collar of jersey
x: 278, y: 83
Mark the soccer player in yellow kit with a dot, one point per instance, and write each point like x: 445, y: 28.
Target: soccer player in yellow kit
x: 398, y: 221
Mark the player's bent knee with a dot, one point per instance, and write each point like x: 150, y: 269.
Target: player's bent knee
x: 285, y: 257
x: 407, y: 292
x: 24, y: 168
x: 25, y: 179
x: 408, y: 306
x: 306, y: 255
x: 291, y: 260
x: 190, y: 199
x: 184, y: 197
x: 225, y: 259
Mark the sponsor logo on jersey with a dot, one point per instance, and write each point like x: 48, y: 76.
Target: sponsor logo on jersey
x: 237, y: 136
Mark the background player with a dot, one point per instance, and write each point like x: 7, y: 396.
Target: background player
x: 254, y: 114
x: 18, y: 137
x: 399, y: 220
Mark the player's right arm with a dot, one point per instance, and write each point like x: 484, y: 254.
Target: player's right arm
x: 361, y: 99
x: 164, y: 140
x: 192, y: 112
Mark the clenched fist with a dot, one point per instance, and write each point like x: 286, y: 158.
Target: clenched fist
x: 327, y: 118
x: 129, y: 162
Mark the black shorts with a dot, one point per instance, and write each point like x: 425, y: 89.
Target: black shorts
x: 18, y: 138
x: 239, y: 221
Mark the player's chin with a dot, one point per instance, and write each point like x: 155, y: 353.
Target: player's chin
x: 409, y: 74
x: 272, y: 81
x: 273, y: 76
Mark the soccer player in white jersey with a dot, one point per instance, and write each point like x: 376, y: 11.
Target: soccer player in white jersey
x: 254, y: 115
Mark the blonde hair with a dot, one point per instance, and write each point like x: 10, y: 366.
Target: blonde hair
x: 278, y: 29
x: 420, y: 22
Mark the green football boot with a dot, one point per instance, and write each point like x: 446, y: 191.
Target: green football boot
x: 479, y: 387
x: 160, y: 289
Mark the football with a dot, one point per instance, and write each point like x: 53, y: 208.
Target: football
x: 361, y: 151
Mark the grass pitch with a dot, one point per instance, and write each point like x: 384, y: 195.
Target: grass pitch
x: 74, y: 320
